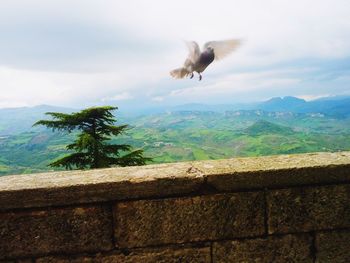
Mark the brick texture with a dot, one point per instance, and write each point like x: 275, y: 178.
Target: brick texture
x: 179, y: 220
x: 287, y: 248
x: 308, y: 209
x: 333, y: 247
x: 59, y: 230
x: 17, y: 261
x: 165, y: 255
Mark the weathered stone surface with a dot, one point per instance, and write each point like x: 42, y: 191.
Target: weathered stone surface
x: 179, y: 220
x: 287, y: 248
x: 81, y: 232
x: 76, y: 187
x: 165, y: 255
x: 17, y: 261
x: 55, y: 230
x: 333, y: 246
x: 276, y: 171
x: 308, y: 209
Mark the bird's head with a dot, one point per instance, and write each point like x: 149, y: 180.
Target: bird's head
x: 210, y: 49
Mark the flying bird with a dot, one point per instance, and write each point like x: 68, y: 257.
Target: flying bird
x: 198, y: 61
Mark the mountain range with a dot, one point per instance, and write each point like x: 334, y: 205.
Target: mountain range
x: 17, y: 120
x: 338, y: 106
x: 188, y: 132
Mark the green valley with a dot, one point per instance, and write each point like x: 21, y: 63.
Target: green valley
x: 192, y: 135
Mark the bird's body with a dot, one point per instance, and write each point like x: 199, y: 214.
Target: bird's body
x: 198, y: 61
x: 204, y: 60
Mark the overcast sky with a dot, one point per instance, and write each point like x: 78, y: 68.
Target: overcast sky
x: 85, y: 53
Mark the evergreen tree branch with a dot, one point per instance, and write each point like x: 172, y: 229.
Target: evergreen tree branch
x: 91, y: 146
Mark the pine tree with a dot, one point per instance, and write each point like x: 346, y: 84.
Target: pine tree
x: 91, y: 148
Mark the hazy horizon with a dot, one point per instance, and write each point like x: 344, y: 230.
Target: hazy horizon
x: 84, y: 53
x: 146, y: 109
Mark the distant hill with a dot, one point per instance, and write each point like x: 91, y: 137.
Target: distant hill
x: 283, y: 104
x: 181, y: 136
x: 265, y: 127
x: 16, y: 120
x: 216, y: 108
x: 332, y: 107
x: 338, y: 107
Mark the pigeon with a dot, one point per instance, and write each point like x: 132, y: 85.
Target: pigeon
x: 198, y: 61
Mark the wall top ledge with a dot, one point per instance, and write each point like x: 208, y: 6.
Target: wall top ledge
x: 237, y: 174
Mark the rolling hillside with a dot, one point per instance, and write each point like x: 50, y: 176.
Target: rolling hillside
x: 181, y: 135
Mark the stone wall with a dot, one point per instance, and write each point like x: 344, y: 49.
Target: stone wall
x: 288, y: 208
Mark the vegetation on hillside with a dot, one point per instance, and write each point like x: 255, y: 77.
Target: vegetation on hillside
x: 192, y: 135
x: 91, y: 147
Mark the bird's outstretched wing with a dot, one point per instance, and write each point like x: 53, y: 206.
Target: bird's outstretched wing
x: 194, y: 51
x: 223, y: 48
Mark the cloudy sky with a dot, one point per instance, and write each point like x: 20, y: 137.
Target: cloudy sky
x: 110, y: 52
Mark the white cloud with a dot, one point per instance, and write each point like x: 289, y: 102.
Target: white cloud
x: 309, y: 97
x: 237, y: 85
x: 158, y: 99
x: 121, y: 96
x: 36, y: 87
x: 81, y: 52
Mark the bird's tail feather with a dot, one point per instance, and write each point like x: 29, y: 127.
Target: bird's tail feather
x: 179, y: 73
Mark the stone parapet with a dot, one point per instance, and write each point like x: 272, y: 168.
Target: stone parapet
x: 287, y: 208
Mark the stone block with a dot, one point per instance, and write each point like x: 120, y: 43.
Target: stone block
x: 288, y: 248
x: 97, y: 185
x: 17, y: 261
x: 333, y: 246
x: 277, y: 171
x: 55, y: 230
x: 164, y: 255
x: 308, y: 209
x: 190, y: 219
